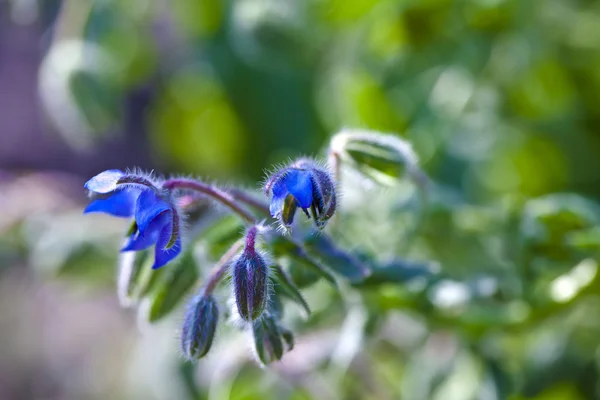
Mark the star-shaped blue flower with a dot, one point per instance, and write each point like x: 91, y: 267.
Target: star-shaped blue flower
x: 156, y: 219
x: 304, y: 185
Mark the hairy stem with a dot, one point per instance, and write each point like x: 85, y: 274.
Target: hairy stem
x: 249, y: 200
x: 211, y: 191
x: 335, y: 163
x: 221, y: 266
x: 251, y: 238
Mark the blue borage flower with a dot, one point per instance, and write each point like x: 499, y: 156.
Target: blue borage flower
x: 157, y: 220
x: 302, y: 184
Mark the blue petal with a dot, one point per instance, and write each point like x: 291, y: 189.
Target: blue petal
x: 277, y: 204
x: 163, y: 256
x: 104, y: 182
x: 119, y: 204
x: 273, y: 180
x: 299, y: 185
x: 280, y: 187
x: 149, y: 206
x: 141, y: 241
x: 280, y: 192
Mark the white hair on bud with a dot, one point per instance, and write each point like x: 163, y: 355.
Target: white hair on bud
x: 404, y: 148
x: 151, y: 176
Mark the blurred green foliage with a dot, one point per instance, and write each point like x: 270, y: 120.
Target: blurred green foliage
x: 498, y: 96
x: 501, y: 101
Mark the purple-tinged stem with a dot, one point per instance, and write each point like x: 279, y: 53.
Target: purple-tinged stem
x: 191, y: 201
x: 251, y: 238
x: 211, y: 191
x: 221, y: 266
x: 250, y: 200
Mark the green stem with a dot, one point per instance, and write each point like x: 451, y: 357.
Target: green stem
x: 335, y: 163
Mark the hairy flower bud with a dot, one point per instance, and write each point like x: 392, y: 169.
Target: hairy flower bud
x: 383, y: 158
x: 199, y: 326
x: 250, y: 275
x: 305, y: 185
x: 268, y: 341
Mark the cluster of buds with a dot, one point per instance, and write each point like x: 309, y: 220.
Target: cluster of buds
x: 256, y: 305
x: 158, y: 208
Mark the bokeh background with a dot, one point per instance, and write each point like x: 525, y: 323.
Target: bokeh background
x: 500, y: 99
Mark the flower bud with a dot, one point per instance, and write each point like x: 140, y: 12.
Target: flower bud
x: 199, y: 326
x: 305, y: 185
x: 267, y: 339
x: 250, y: 275
x: 383, y: 158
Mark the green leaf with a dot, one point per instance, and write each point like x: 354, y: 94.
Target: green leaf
x: 288, y: 338
x: 221, y: 235
x: 340, y: 261
x: 102, y: 19
x: 384, y: 158
x: 584, y: 240
x: 302, y: 276
x: 267, y: 339
x: 132, y: 267
x: 284, y: 246
x: 397, y: 271
x: 145, y: 281
x: 553, y: 225
x: 499, y: 377
x: 172, y: 287
x: 274, y: 306
x: 289, y: 288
